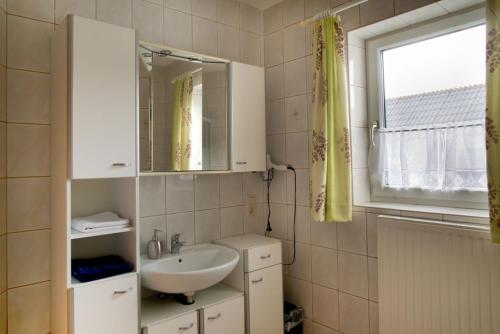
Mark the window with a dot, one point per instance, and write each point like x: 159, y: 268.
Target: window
x: 427, y: 103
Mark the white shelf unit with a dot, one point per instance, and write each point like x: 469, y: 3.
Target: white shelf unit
x: 93, y: 169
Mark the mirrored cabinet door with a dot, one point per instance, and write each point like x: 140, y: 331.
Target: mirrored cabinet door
x: 183, y: 105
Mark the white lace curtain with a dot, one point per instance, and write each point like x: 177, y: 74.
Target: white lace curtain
x: 442, y: 159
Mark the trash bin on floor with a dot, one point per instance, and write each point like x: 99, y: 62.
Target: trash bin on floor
x: 294, y: 318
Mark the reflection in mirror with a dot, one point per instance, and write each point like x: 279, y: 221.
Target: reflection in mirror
x: 183, y: 111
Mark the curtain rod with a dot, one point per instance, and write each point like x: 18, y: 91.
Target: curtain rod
x: 334, y: 11
x: 451, y: 126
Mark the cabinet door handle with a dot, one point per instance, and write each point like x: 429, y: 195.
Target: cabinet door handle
x: 257, y: 280
x: 241, y: 162
x: 121, y: 164
x: 214, y: 318
x: 263, y: 257
x: 185, y: 328
x: 122, y: 292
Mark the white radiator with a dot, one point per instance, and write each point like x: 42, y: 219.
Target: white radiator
x: 437, y: 278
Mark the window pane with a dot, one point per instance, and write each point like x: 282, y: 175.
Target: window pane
x: 439, y: 81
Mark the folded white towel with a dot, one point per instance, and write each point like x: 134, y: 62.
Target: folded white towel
x: 97, y: 222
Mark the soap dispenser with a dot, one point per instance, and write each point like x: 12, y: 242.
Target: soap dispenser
x: 155, y: 249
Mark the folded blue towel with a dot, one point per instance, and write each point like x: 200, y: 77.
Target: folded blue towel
x: 86, y: 270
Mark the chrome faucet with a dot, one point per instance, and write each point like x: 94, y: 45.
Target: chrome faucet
x: 176, y: 244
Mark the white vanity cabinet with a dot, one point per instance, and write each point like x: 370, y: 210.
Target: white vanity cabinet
x: 259, y: 274
x: 93, y: 302
x: 94, y: 96
x: 186, y: 324
x: 248, y: 118
x: 227, y: 317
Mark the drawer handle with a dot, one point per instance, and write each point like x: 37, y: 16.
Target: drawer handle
x: 186, y: 327
x: 122, y: 292
x: 263, y: 257
x: 241, y: 162
x: 121, y: 164
x: 215, y: 318
x: 257, y: 280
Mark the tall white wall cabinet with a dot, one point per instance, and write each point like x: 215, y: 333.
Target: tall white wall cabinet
x: 93, y: 162
x: 248, y: 118
x: 259, y: 274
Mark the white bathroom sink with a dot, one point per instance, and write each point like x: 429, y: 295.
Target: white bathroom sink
x: 194, y: 268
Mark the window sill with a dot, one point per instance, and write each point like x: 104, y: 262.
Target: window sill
x: 429, y: 212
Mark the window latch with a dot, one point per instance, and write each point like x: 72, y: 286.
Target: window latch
x: 373, y: 128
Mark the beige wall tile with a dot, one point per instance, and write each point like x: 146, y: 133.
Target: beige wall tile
x: 152, y: 196
x: 293, y: 11
x: 85, y: 8
x: 302, y: 187
x: 251, y: 48
x: 3, y: 313
x: 28, y: 204
x: 3, y: 206
x: 204, y: 36
x: 324, y: 234
x: 353, y: 274
x: 178, y: 29
x: 3, y: 149
x: 148, y: 225
x: 294, y: 42
x: 273, y: 49
x: 302, y: 224
x: 277, y: 191
x: 205, y: 8
x: 372, y: 279
x: 275, y: 117
x: 28, y: 150
x: 299, y: 292
x: 297, y: 147
x: 353, y: 314
x: 253, y: 185
x: 326, y: 306
x: 254, y: 223
x: 279, y: 222
x: 274, y: 82
x: 229, y: 42
x: 29, y: 44
x: 276, y: 147
x: 207, y: 225
x: 3, y: 94
x: 228, y: 12
x: 231, y: 221
x: 182, y: 5
x: 147, y: 19
x: 324, y: 267
x: 28, y: 97
x: 401, y: 6
x: 250, y: 19
x: 3, y: 38
x: 231, y: 189
x: 371, y: 233
x: 352, y: 235
x: 350, y: 18
x: 207, y: 192
x: 117, y: 12
x: 29, y: 257
x: 294, y: 74
x: 320, y: 329
x: 359, y: 140
x: 301, y: 268
x: 28, y: 309
x: 374, y: 326
x: 179, y: 193
x: 3, y: 263
x: 36, y: 9
x: 296, y: 113
x: 373, y: 11
x: 313, y: 7
x: 273, y: 18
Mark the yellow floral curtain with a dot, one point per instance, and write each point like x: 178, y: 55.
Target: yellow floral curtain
x: 493, y: 113
x: 330, y: 144
x: 181, y: 120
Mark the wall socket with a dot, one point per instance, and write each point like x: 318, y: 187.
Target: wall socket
x: 252, y: 205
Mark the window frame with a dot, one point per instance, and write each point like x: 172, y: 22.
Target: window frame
x: 376, y: 110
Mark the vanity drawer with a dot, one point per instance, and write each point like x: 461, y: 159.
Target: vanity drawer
x: 106, y: 307
x: 185, y: 324
x: 262, y: 257
x: 227, y: 317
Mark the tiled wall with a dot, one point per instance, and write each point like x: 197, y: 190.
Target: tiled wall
x: 335, y: 274
x: 214, y: 27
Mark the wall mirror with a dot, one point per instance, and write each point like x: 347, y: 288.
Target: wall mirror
x: 183, y: 102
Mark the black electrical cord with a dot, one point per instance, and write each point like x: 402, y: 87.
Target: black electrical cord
x: 269, y: 179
